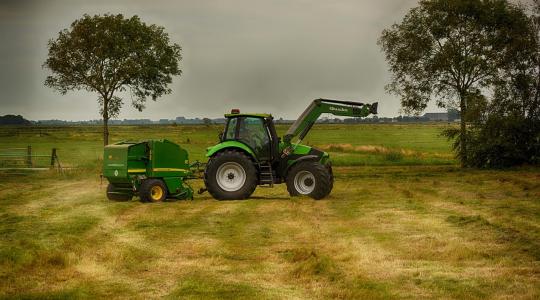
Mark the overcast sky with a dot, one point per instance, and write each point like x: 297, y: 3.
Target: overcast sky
x: 259, y: 56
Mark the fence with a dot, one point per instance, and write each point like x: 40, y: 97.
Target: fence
x: 26, y: 159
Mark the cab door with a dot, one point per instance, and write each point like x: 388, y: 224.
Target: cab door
x: 252, y: 132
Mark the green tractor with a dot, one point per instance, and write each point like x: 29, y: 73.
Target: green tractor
x: 250, y: 153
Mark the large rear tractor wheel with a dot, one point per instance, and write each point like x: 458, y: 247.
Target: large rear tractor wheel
x: 331, y: 173
x: 309, y: 178
x: 114, y: 195
x: 153, y: 190
x: 230, y: 175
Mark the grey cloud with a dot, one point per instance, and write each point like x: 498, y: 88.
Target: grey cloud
x: 260, y: 56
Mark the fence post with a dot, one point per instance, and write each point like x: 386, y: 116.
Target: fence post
x: 29, y: 156
x: 53, y: 157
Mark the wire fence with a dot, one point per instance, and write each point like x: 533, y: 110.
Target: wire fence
x: 43, y: 131
x: 25, y: 158
x: 81, y: 146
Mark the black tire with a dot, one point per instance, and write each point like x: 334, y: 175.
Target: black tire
x: 153, y: 190
x: 331, y: 173
x: 319, y: 177
x: 238, y: 159
x: 114, y: 196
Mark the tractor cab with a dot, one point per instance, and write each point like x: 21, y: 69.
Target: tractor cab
x: 255, y: 131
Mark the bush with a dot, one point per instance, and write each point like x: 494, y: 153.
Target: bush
x: 501, y: 141
x: 506, y: 141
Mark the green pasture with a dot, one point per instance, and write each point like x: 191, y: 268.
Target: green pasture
x: 369, y: 144
x: 403, y: 221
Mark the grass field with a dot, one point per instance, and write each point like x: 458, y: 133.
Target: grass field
x: 349, y: 145
x: 403, y: 221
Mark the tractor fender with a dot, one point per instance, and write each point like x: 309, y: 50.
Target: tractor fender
x: 211, y: 151
x: 310, y: 157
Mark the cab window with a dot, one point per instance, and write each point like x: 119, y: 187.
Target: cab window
x: 252, y: 132
x: 231, y: 129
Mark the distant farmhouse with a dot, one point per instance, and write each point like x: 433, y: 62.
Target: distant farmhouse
x: 436, y: 116
x: 452, y: 115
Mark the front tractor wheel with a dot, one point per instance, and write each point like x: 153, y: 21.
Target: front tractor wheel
x: 153, y: 190
x: 230, y: 175
x: 309, y: 178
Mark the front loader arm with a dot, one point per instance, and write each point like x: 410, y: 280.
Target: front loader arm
x: 303, y: 124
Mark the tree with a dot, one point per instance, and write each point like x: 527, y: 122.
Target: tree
x: 13, y: 120
x: 110, y: 54
x: 451, y: 51
x: 507, y: 131
x: 517, y: 88
x: 207, y: 121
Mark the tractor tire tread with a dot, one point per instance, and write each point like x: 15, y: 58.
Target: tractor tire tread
x: 331, y: 174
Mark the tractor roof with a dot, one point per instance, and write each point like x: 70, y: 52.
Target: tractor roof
x: 248, y: 115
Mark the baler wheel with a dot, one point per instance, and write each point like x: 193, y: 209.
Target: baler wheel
x: 309, y: 178
x: 114, y: 196
x: 153, y: 190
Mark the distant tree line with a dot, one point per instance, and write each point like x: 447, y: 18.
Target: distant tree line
x: 19, y: 120
x: 13, y: 120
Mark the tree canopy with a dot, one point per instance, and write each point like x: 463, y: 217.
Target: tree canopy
x: 506, y: 131
x: 109, y: 54
x: 451, y: 52
x: 14, y: 120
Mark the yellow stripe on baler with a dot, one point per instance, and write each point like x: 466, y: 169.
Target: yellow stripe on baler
x: 169, y: 170
x: 136, y: 170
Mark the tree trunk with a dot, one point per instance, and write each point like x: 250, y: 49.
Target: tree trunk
x: 534, y: 112
x: 463, y: 133
x: 105, y: 131
x: 105, y: 122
